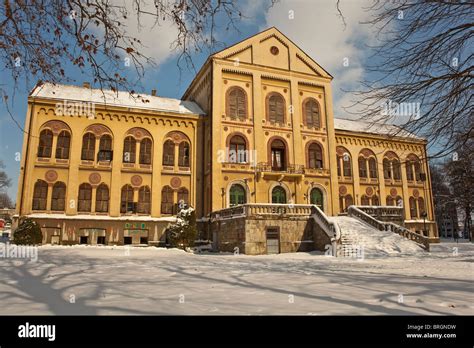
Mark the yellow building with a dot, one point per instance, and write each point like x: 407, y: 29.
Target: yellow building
x: 256, y: 125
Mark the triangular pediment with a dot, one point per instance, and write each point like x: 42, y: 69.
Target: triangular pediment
x: 273, y: 49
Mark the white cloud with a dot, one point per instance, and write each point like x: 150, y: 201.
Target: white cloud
x: 155, y: 38
x: 320, y: 32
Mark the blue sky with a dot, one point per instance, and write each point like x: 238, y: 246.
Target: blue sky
x: 313, y: 25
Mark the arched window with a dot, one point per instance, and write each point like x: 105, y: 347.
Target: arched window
x: 183, y: 196
x: 278, y: 155
x: 237, y: 150
x: 45, y: 145
x: 105, y: 148
x: 417, y: 166
x: 278, y: 195
x: 168, y: 153
x: 126, y: 200
x: 387, y: 172
x: 144, y: 200
x: 311, y: 113
x: 63, y: 145
x: 237, y: 195
x: 391, y: 201
x: 346, y: 165
x: 397, y: 175
x: 236, y: 103
x: 316, y: 198
x: 145, y: 151
x: 409, y: 168
x: 362, y: 168
x: 129, y: 149
x: 85, y: 198
x: 40, y: 195
x: 372, y: 168
x: 364, y: 200
x: 183, y: 158
x: 413, y: 210
x: 58, y: 200
x: 315, y: 157
x: 375, y: 200
x: 167, y: 200
x: 102, y: 199
x: 348, y: 201
x: 421, y: 206
x: 88, y: 147
x: 276, y: 108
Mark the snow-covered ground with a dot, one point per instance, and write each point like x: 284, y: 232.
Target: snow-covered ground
x: 120, y: 280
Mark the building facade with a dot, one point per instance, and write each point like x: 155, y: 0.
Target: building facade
x: 256, y: 125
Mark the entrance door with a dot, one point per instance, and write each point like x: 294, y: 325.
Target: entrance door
x: 273, y: 240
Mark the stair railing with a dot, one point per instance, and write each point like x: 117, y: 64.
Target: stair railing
x: 389, y: 226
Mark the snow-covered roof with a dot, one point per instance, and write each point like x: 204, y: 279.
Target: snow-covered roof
x: 120, y: 98
x: 372, y: 128
x: 99, y: 217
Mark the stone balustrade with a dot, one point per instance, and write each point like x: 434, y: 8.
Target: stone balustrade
x: 255, y: 209
x: 388, y: 226
x: 331, y: 229
x: 384, y: 213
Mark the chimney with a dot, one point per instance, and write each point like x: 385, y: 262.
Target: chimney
x: 86, y: 85
x: 153, y: 92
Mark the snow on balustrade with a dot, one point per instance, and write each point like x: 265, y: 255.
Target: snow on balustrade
x: 253, y: 209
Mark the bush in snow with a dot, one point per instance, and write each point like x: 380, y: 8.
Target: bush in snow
x: 28, y: 233
x: 183, y: 232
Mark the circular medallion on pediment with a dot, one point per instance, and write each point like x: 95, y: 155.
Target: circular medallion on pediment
x: 51, y: 176
x: 342, y: 190
x: 175, y: 182
x: 94, y: 178
x: 136, y: 180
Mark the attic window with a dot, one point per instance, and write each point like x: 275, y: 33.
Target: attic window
x: 274, y: 50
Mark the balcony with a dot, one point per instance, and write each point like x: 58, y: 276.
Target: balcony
x: 237, y: 166
x: 261, y: 210
x: 290, y: 170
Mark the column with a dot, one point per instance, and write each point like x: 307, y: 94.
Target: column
x: 294, y: 112
x: 53, y: 148
x: 93, y: 198
x: 73, y: 183
x: 331, y: 143
x: 156, y: 176
x: 381, y: 178
x: 260, y: 145
x: 49, y: 195
x: 405, y: 193
x: 356, y: 179
x: 115, y: 178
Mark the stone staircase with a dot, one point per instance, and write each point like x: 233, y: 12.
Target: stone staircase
x: 359, y: 239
